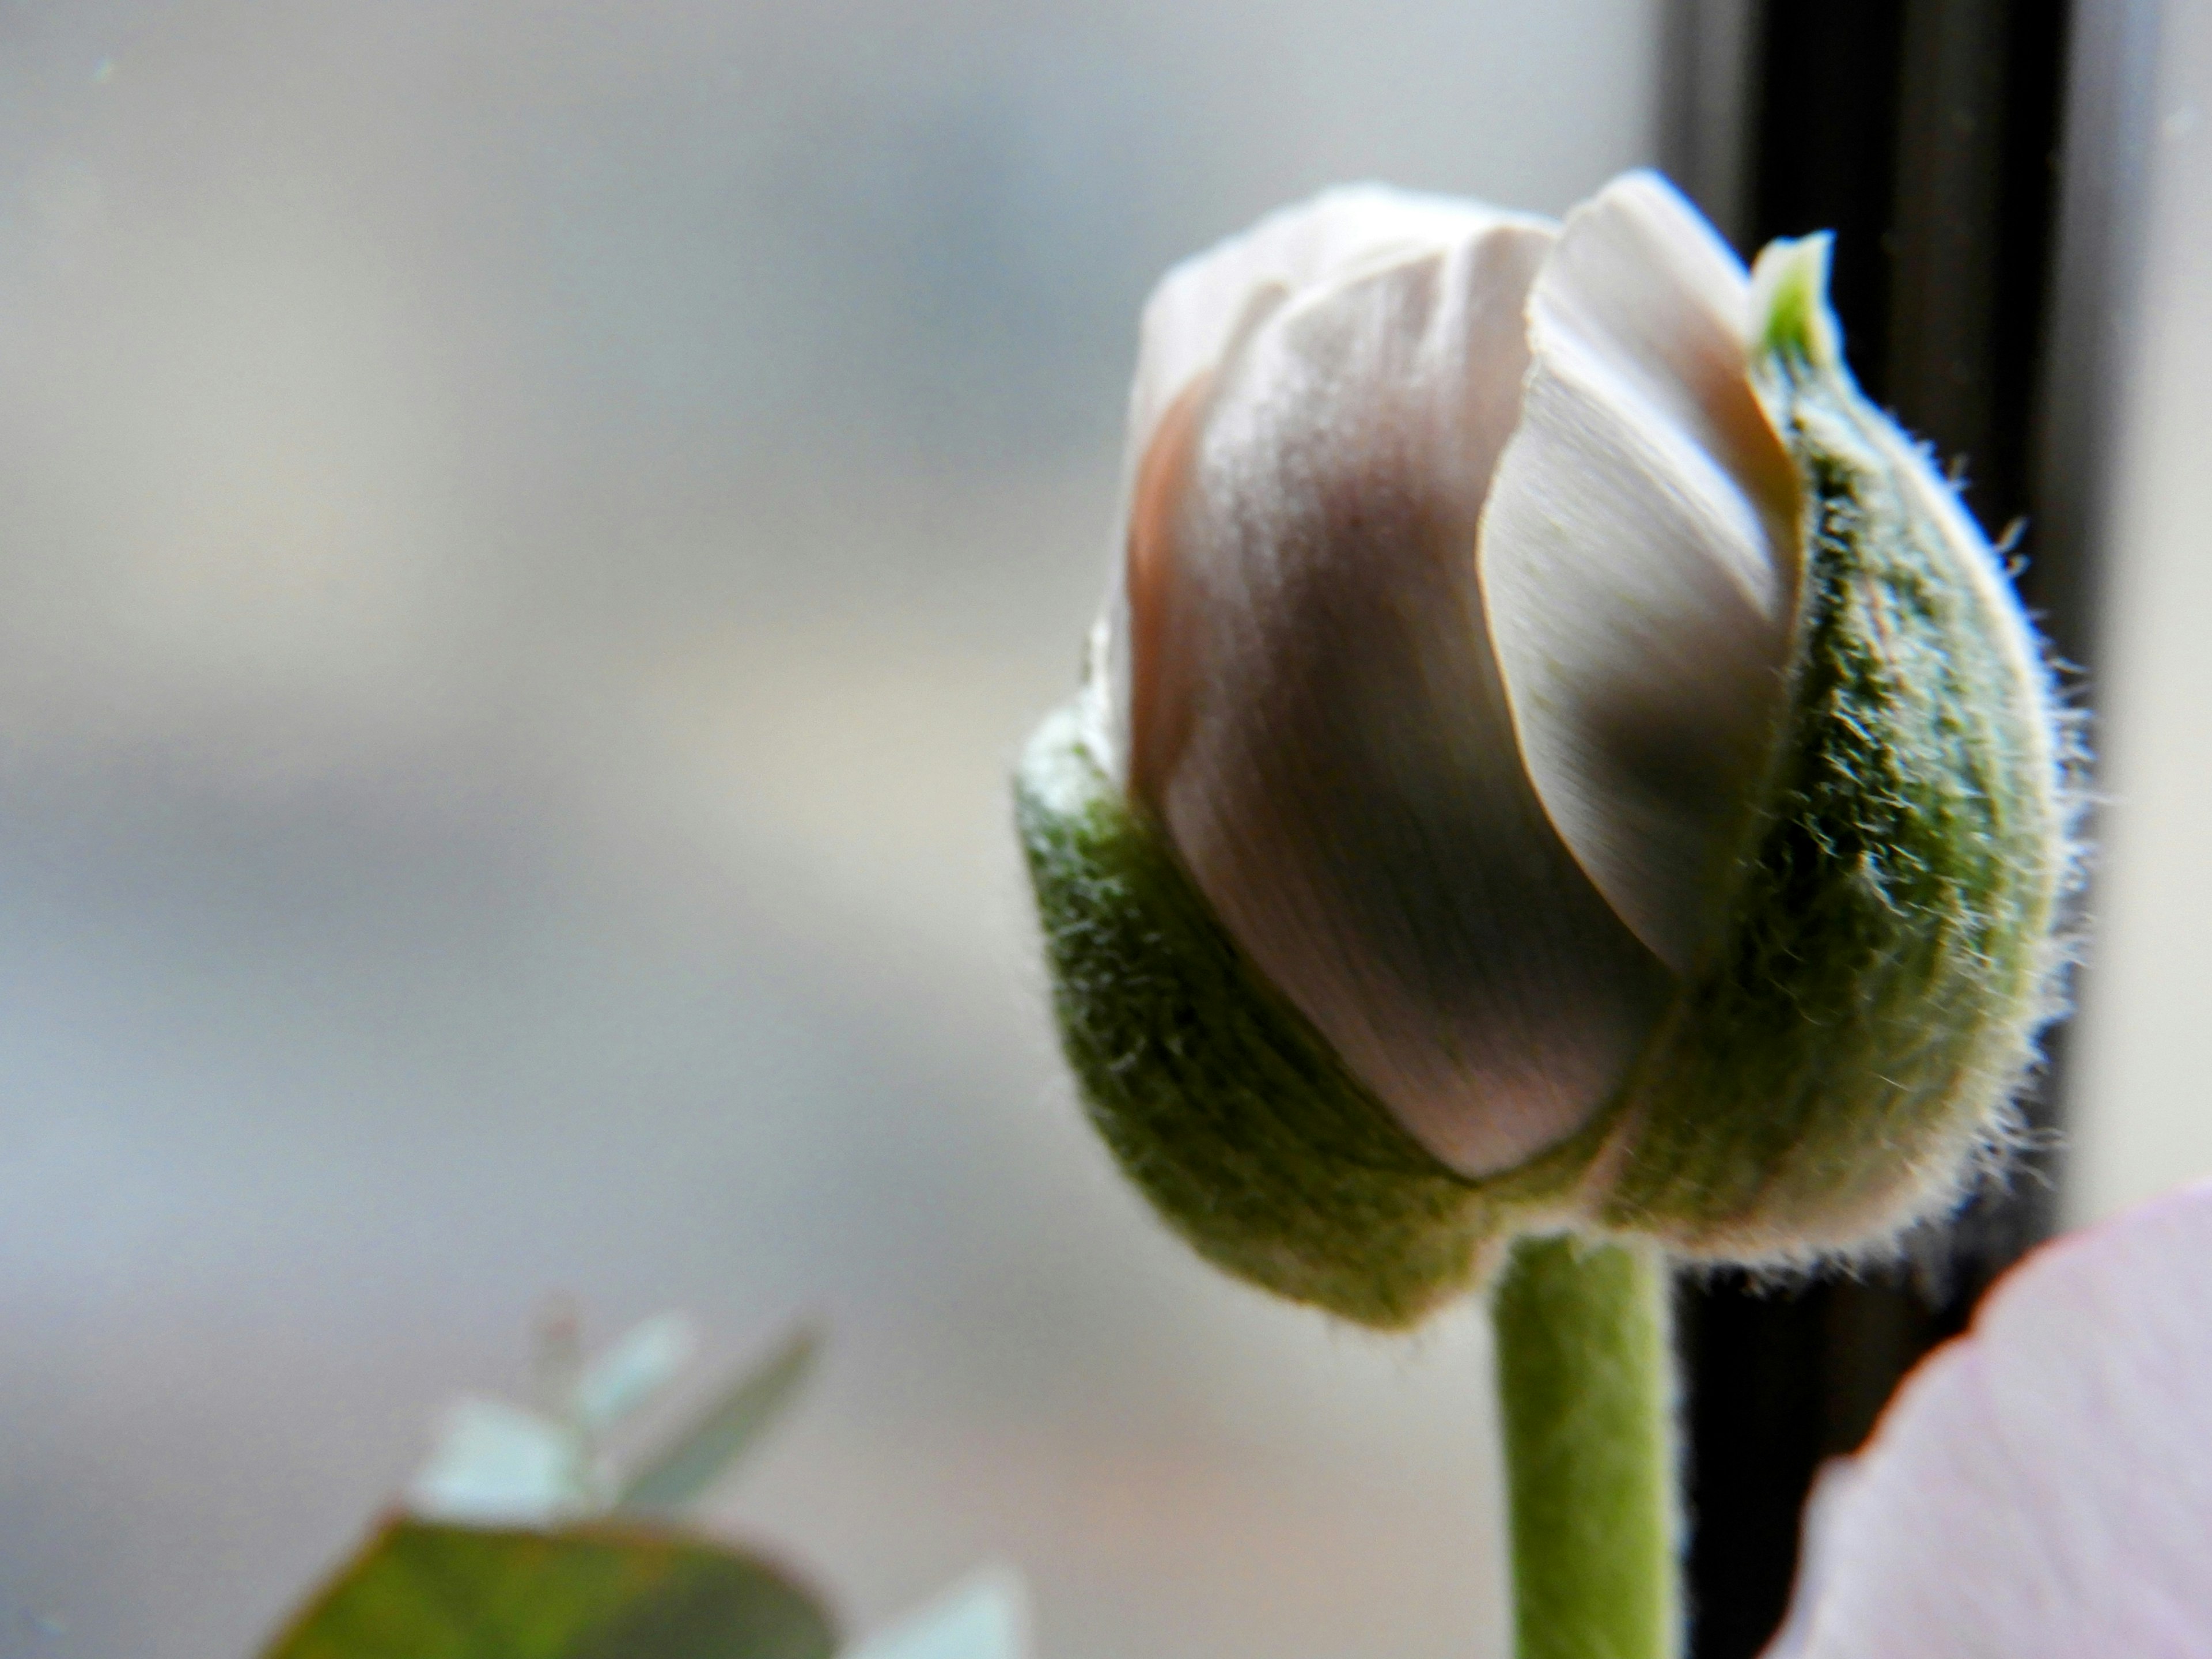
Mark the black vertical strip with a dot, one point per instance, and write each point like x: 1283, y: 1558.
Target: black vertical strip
x: 1924, y: 133
x: 1824, y: 151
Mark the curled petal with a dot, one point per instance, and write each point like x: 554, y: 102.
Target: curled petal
x: 1194, y: 312
x: 1204, y: 306
x: 1319, y: 722
x: 2042, y: 1487
x: 1640, y: 559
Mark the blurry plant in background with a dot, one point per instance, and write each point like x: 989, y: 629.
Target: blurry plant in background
x: 522, y: 1538
x: 2040, y: 1491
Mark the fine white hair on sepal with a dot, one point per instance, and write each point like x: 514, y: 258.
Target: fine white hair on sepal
x: 1640, y: 560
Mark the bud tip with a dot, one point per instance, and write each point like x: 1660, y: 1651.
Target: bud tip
x: 1789, y: 314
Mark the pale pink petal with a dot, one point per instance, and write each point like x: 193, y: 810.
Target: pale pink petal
x: 1318, y: 717
x: 1194, y: 311
x: 2041, y: 1488
x: 1640, y: 558
x: 1197, y: 312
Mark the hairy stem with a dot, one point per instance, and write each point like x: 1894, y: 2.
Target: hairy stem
x: 1586, y: 1402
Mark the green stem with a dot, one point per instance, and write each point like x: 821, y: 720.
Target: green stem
x: 1586, y: 1403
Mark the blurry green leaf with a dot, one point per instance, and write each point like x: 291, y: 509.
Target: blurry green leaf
x: 644, y: 1362
x: 699, y: 1454
x: 424, y: 1591
x: 984, y: 1617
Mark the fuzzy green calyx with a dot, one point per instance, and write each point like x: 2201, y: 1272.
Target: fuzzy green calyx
x: 1856, y: 1033
x: 1844, y: 1043
x: 1218, y: 1098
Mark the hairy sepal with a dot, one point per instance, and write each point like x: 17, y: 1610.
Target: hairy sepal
x: 1232, y: 1115
x: 1845, y: 1053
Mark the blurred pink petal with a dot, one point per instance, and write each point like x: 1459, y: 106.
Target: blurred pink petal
x: 2042, y: 1487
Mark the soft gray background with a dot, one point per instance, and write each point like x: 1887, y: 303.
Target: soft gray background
x: 2144, y: 1120
x: 529, y: 535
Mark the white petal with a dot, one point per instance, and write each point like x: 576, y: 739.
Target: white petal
x: 1319, y: 722
x: 1194, y: 311
x: 1640, y: 558
x: 1202, y: 306
x: 2042, y: 1488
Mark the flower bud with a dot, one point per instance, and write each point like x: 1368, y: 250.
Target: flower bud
x: 1554, y: 756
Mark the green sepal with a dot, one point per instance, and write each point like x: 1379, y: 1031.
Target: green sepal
x: 1789, y: 298
x: 1220, y: 1100
x: 1858, y: 1029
